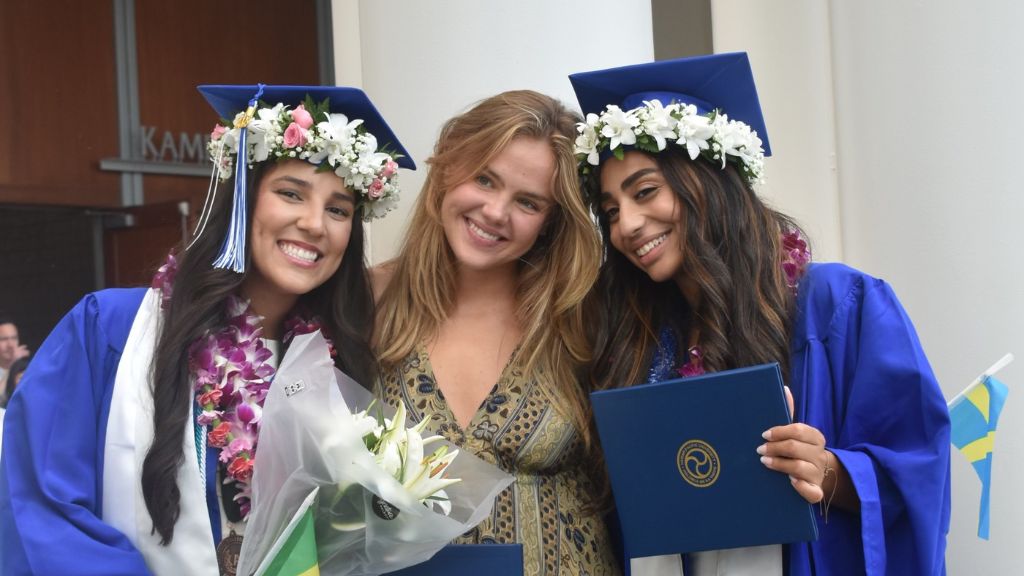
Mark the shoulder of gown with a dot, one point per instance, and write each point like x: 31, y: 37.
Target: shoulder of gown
x: 51, y: 468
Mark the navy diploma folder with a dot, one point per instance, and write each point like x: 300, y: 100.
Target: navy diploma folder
x: 683, y: 464
x: 470, y: 560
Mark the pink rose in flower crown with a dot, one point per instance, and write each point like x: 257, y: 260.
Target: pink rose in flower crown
x: 301, y: 117
x: 389, y: 169
x: 241, y: 468
x: 376, y: 189
x: 294, y: 136
x: 219, y: 436
x: 218, y: 131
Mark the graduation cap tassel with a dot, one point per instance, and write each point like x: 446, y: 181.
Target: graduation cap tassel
x: 232, y: 252
x: 211, y: 197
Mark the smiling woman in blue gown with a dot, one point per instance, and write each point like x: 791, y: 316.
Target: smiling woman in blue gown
x: 130, y: 444
x: 702, y: 276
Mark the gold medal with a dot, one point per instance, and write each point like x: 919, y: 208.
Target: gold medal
x: 227, y: 554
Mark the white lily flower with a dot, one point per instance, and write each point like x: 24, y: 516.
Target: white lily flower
x: 440, y: 500
x: 427, y: 477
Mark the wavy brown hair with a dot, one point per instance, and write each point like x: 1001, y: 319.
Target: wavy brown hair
x: 732, y: 242
x: 555, y: 274
x: 196, y: 308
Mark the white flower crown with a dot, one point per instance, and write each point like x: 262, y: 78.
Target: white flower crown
x: 334, y: 143
x: 651, y: 126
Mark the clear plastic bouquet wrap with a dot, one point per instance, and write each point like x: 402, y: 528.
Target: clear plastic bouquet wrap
x: 388, y: 497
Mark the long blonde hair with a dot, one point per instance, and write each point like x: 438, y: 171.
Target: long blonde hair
x: 557, y: 272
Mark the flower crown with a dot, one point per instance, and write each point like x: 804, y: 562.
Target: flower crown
x: 650, y: 127
x: 335, y: 143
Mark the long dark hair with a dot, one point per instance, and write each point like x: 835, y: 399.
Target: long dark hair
x: 733, y: 253
x: 344, y: 304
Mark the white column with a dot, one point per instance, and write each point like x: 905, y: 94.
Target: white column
x: 788, y: 44
x: 929, y: 114
x: 425, y: 61
x: 926, y: 112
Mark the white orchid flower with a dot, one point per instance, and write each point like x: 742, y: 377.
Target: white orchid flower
x: 586, y: 142
x: 657, y: 121
x: 382, y: 206
x: 694, y: 133
x: 618, y: 126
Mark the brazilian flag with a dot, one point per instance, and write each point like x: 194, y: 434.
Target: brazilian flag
x: 297, y: 556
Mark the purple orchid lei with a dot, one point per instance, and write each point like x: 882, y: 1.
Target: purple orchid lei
x: 231, y: 376
x: 795, y: 258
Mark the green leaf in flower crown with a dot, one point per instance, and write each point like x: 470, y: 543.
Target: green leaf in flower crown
x: 318, y: 111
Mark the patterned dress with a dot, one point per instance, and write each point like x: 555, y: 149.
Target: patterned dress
x: 517, y: 429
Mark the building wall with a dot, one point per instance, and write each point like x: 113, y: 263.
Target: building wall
x: 423, y: 62
x: 911, y: 176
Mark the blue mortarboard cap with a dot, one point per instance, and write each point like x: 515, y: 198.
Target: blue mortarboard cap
x: 717, y: 81
x: 229, y: 100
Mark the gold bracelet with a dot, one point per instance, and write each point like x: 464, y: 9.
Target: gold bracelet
x: 823, y: 505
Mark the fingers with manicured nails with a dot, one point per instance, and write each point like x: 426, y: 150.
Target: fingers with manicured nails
x: 797, y: 450
x: 805, y: 476
x: 810, y: 492
x: 797, y: 431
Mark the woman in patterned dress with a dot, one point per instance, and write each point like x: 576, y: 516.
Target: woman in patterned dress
x: 480, y: 326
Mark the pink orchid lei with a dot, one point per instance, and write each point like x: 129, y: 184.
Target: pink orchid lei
x: 232, y: 375
x: 795, y: 258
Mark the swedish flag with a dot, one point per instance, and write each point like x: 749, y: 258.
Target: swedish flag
x: 974, y: 415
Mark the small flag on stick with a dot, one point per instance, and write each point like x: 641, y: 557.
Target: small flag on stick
x: 294, y: 553
x: 974, y: 414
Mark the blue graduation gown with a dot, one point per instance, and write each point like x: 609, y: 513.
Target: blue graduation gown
x: 51, y: 471
x: 859, y: 375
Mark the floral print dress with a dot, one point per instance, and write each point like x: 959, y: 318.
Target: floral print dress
x: 519, y: 430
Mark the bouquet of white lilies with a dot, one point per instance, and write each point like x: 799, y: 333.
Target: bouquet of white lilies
x: 388, y: 497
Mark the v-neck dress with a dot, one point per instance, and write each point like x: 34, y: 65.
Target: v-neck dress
x: 517, y: 429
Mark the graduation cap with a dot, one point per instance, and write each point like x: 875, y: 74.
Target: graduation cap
x: 718, y: 81
x: 374, y: 180
x: 229, y: 100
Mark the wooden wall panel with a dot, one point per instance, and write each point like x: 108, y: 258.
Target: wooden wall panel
x: 57, y: 97
x: 58, y: 85
x: 189, y: 42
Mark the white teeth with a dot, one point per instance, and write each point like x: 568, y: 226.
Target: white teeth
x: 651, y: 245
x: 482, y: 233
x: 300, y: 253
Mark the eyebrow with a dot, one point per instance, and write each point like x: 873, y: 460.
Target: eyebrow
x: 629, y: 181
x: 306, y: 185
x: 538, y: 198
x: 535, y: 196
